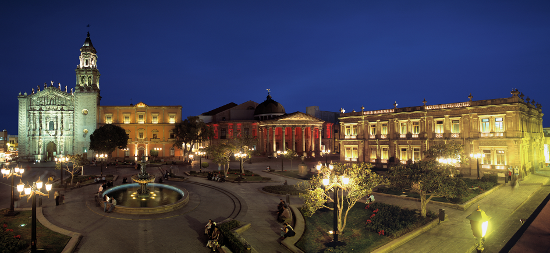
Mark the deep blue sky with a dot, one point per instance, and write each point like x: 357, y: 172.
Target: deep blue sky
x: 333, y: 54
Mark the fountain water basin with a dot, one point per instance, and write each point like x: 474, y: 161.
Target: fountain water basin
x: 160, y: 198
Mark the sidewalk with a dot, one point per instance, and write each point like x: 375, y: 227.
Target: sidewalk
x: 505, y: 207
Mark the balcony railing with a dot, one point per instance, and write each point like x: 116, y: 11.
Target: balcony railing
x: 383, y: 136
x: 373, y: 160
x: 438, y: 135
x: 351, y: 137
x: 455, y: 135
x: 351, y: 159
x: 403, y: 136
x: 384, y: 160
x: 372, y: 136
x: 414, y: 136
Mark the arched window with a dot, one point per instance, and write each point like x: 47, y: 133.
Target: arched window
x: 51, y: 126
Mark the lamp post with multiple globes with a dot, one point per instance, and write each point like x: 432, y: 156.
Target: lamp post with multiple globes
x: 12, y: 172
x: 101, y: 157
x: 32, y: 191
x: 200, y: 154
x: 335, y: 182
x: 281, y: 153
x: 325, y: 153
x: 241, y: 155
x: 60, y: 161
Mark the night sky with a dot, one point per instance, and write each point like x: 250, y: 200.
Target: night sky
x: 205, y: 54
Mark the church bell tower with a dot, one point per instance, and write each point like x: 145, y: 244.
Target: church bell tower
x: 86, y: 97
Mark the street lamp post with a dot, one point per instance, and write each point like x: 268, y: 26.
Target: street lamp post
x: 200, y: 154
x: 334, y: 182
x: 241, y: 156
x: 281, y: 153
x: 477, y: 156
x: 13, y: 172
x: 101, y: 159
x: 479, y: 222
x: 60, y: 160
x: 325, y: 153
x: 32, y: 191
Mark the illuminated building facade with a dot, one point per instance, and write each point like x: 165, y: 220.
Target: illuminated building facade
x: 149, y: 130
x: 507, y: 131
x: 273, y: 129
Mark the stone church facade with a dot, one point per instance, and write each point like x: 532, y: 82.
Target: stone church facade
x: 56, y: 121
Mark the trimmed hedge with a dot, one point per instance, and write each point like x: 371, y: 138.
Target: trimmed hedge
x: 231, y: 240
x: 393, y: 221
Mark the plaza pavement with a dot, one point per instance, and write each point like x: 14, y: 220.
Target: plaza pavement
x: 181, y: 230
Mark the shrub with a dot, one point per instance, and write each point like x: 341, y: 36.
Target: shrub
x: 393, y: 221
x: 490, y: 178
x: 231, y: 240
x: 10, y: 241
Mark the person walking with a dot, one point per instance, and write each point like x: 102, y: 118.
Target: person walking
x: 56, y: 196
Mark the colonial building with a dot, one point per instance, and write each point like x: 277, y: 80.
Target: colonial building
x: 507, y: 131
x: 271, y: 126
x: 149, y: 130
x: 56, y: 120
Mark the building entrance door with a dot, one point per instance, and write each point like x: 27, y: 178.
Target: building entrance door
x: 51, y: 151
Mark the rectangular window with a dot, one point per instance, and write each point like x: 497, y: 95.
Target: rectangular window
x: 403, y: 154
x: 172, y: 152
x: 154, y: 136
x: 108, y: 119
x: 416, y: 127
x: 385, y: 153
x: 172, y: 135
x: 172, y: 118
x: 373, y: 129
x: 501, y: 157
x: 141, y: 135
x: 373, y: 153
x: 246, y: 132
x: 351, y: 153
x: 485, y: 126
x: 385, y: 128
x: 403, y: 128
x: 141, y: 118
x: 155, y: 119
x: 355, y: 153
x: 439, y: 127
x: 487, y: 157
x: 455, y: 129
x: 499, y: 126
x: 126, y: 119
x: 416, y: 154
x: 126, y: 153
x: 223, y: 133
x: 354, y: 130
x: 348, y: 130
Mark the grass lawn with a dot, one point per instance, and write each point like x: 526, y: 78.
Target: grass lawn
x: 475, y: 186
x: 355, y: 235
x: 233, y: 175
x: 293, y: 174
x: 48, y: 240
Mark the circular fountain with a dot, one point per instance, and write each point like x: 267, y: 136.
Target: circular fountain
x: 146, y: 197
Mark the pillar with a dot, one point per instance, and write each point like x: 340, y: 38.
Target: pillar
x: 320, y: 134
x: 312, y: 138
x: 274, y: 145
x: 294, y: 138
x: 283, y: 144
x: 303, y: 140
x: 267, y: 141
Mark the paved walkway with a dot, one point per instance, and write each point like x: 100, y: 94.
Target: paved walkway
x: 182, y: 230
x: 505, y: 206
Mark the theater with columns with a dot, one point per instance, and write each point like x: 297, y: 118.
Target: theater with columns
x: 273, y: 129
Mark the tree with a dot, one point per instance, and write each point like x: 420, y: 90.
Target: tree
x: 452, y: 150
x: 107, y: 138
x: 361, y: 182
x: 221, y: 153
x: 243, y: 144
x: 189, y: 132
x: 290, y: 155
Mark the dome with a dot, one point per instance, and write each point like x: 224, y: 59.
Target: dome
x: 268, y: 109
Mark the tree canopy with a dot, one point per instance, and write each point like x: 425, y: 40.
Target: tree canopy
x: 430, y: 178
x: 190, y: 132
x: 107, y: 138
x: 220, y: 153
x: 361, y: 182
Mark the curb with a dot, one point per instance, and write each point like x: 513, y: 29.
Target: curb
x: 299, y: 228
x: 75, y: 237
x: 407, y: 237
